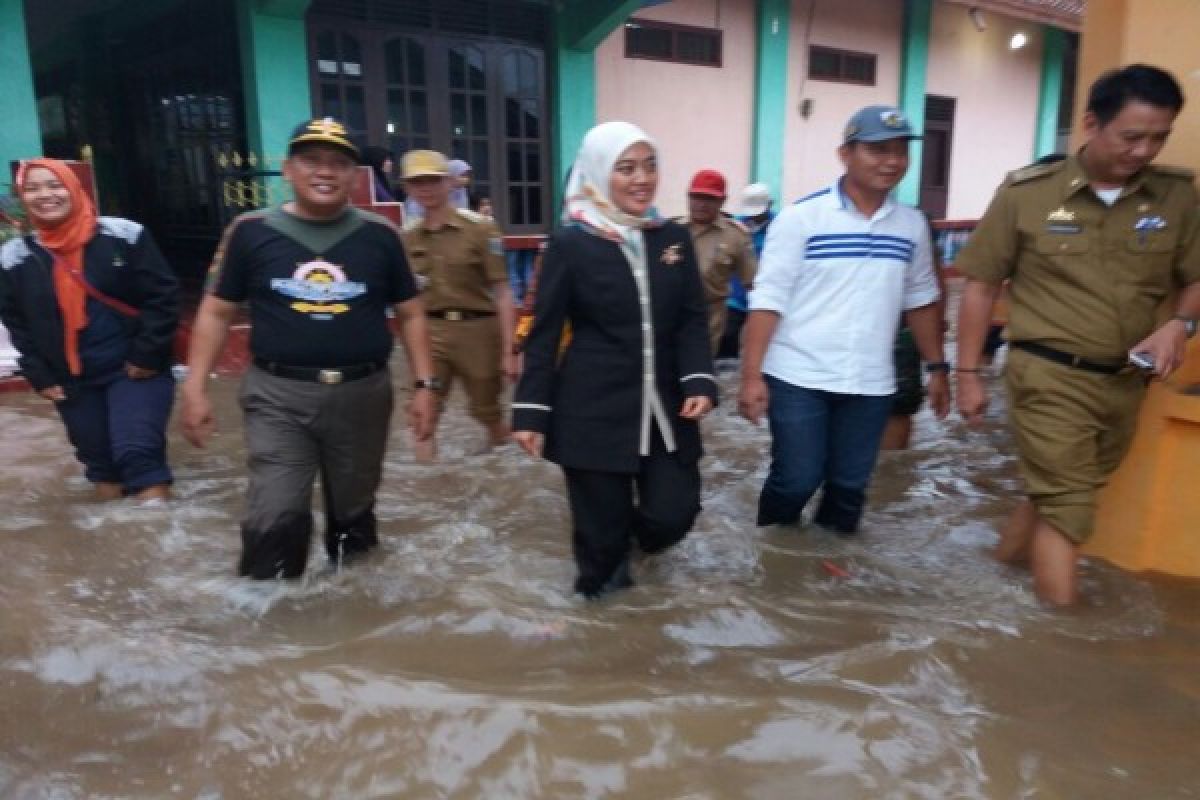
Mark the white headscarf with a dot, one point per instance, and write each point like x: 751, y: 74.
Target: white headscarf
x: 588, y: 196
x: 459, y: 198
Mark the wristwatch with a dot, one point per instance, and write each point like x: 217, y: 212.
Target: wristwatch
x: 1189, y: 324
x: 427, y: 383
x: 937, y: 366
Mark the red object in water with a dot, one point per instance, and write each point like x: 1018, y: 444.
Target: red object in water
x: 834, y: 570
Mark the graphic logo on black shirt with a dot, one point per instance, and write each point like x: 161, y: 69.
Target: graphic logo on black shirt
x: 320, y: 289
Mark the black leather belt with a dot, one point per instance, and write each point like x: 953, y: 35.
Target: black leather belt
x: 459, y: 314
x: 1066, y: 359
x: 328, y: 376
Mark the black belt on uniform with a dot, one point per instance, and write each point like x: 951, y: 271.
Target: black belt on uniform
x: 1067, y: 359
x: 459, y: 314
x: 329, y: 376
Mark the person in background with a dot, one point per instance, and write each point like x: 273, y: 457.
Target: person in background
x: 723, y: 248
x: 319, y: 276
x: 380, y: 160
x: 839, y: 269
x: 1092, y: 246
x: 459, y: 258
x: 92, y: 307
x: 618, y: 408
x: 755, y: 214
x: 460, y: 185
x: 910, y: 390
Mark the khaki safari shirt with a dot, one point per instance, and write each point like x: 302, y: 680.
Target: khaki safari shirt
x: 458, y: 264
x: 723, y: 249
x: 1087, y: 278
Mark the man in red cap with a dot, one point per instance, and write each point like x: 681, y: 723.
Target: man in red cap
x: 723, y: 248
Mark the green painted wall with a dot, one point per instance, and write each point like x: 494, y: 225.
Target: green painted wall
x: 770, y: 95
x: 274, y: 50
x: 20, y: 136
x: 914, y: 62
x: 1050, y: 92
x: 579, y: 26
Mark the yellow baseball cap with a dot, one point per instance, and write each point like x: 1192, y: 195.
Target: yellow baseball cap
x: 423, y: 163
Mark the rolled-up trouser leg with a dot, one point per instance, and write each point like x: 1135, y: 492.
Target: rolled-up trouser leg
x: 353, y: 426
x: 668, y: 499
x: 602, y: 514
x: 282, y: 458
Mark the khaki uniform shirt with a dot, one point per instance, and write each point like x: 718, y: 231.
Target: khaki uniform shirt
x: 457, y: 264
x: 1087, y: 278
x: 723, y: 250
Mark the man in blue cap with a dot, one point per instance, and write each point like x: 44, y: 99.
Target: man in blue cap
x: 838, y: 270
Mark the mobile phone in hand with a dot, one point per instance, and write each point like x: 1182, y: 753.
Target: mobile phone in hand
x: 1142, y: 361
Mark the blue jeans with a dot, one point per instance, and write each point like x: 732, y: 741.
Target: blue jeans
x: 118, y: 428
x: 820, y: 439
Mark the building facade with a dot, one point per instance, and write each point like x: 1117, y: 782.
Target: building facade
x: 183, y: 104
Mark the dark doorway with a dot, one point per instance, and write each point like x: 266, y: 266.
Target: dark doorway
x: 153, y: 92
x: 470, y: 84
x: 935, y: 155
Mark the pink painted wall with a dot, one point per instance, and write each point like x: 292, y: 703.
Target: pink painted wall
x: 867, y: 26
x: 997, y: 99
x: 702, y: 117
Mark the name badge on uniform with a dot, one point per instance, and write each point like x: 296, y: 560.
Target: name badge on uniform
x: 1063, y: 227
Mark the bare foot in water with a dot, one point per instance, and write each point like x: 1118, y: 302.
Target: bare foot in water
x: 153, y: 496
x: 107, y: 491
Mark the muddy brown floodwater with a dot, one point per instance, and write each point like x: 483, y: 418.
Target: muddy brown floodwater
x: 455, y: 663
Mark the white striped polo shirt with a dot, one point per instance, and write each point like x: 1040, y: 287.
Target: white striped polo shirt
x: 840, y: 281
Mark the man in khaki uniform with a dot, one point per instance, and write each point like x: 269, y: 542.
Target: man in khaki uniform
x: 458, y: 258
x: 723, y: 248
x: 1093, y: 245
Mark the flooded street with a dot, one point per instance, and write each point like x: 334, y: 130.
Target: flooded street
x: 901, y: 663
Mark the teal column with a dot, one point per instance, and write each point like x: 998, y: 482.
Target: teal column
x: 1050, y: 92
x: 770, y: 95
x: 20, y: 135
x: 579, y: 26
x: 274, y: 50
x: 918, y: 16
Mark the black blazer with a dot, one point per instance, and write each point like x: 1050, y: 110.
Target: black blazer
x: 588, y: 401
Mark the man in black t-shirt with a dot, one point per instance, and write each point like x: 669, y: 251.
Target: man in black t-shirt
x: 318, y: 276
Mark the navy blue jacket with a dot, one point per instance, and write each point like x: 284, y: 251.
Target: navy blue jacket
x: 588, y: 402
x: 123, y: 262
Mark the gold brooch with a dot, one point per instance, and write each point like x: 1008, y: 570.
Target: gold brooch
x: 672, y: 255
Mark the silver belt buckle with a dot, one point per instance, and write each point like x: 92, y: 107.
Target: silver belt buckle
x: 329, y: 377
x: 455, y: 316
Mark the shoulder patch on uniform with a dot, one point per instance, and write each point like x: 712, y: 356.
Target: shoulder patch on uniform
x: 1183, y: 173
x: 1032, y: 172
x: 813, y: 196
x: 120, y: 228
x: 13, y: 252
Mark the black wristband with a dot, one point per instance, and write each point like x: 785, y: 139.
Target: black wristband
x: 937, y: 366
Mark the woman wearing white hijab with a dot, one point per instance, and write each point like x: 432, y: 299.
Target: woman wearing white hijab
x: 618, y: 408
x: 460, y: 193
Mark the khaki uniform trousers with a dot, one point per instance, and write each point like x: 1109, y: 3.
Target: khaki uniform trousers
x: 1072, y: 428
x: 469, y: 350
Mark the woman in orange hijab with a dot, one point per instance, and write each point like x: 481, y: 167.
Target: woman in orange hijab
x: 91, y: 305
